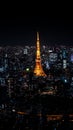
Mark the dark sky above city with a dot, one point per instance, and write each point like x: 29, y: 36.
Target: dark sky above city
x: 22, y: 30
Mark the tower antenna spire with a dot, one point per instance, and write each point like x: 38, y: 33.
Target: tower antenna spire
x: 38, y: 36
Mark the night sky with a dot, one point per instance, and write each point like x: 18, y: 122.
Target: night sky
x: 22, y: 30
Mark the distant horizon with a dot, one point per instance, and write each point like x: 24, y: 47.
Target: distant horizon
x: 49, y: 44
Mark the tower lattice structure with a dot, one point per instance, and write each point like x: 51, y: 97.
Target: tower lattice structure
x: 38, y: 70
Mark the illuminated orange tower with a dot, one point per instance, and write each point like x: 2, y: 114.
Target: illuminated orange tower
x: 38, y: 70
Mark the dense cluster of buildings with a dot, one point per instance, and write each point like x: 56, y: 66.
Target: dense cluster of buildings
x: 17, y: 63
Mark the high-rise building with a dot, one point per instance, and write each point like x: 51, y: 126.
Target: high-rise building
x: 38, y: 70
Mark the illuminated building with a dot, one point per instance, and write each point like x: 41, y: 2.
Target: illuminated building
x: 71, y: 58
x: 53, y: 57
x: 38, y: 70
x: 64, y: 64
x: 25, y: 51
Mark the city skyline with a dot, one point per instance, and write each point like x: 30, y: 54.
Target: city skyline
x: 36, y: 82
x: 21, y: 30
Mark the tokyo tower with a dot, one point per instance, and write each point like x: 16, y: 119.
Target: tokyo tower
x: 38, y: 70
